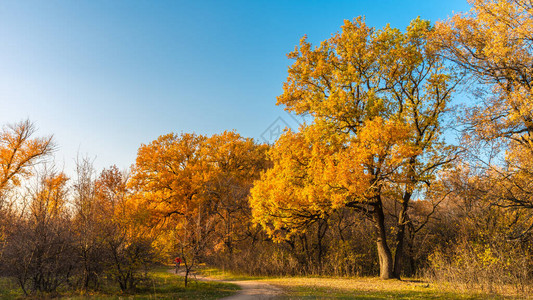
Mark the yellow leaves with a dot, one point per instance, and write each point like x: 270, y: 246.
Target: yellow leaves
x: 376, y: 98
x: 56, y: 182
x: 19, y: 151
x: 381, y: 148
x: 358, y: 69
x: 493, y: 42
x: 182, y: 180
x: 317, y: 171
x: 493, y: 33
x: 50, y: 196
x: 380, y: 138
x: 418, y: 28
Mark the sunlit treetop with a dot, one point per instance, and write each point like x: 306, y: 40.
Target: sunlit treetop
x: 493, y: 41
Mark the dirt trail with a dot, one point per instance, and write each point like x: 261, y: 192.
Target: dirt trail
x: 254, y: 290
x: 250, y: 289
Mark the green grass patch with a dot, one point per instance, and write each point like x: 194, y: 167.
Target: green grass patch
x: 9, y: 289
x: 227, y: 275
x: 160, y: 284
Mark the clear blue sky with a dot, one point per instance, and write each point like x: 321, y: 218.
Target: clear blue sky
x: 106, y: 76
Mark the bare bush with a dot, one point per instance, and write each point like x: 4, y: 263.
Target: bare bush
x: 39, y: 252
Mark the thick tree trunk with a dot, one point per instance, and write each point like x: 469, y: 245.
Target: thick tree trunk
x: 385, y: 256
x: 400, y: 236
x: 398, y: 255
x: 385, y: 260
x: 403, y: 219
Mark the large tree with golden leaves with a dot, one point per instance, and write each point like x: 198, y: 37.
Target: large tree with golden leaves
x: 376, y: 99
x: 197, y: 187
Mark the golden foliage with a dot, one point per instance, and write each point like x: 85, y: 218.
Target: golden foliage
x: 196, y: 184
x: 19, y: 152
x: 376, y: 98
x: 493, y: 41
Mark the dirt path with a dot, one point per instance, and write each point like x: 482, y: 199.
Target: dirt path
x: 250, y: 289
x: 254, y: 290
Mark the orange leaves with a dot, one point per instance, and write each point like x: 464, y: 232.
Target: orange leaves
x: 19, y: 152
x: 317, y: 171
x: 493, y: 42
x: 378, y: 152
x: 195, y: 188
x: 50, y: 196
x: 168, y: 173
x: 232, y: 155
x: 113, y: 198
x: 181, y: 175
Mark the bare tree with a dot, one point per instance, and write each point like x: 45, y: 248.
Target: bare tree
x: 39, y: 253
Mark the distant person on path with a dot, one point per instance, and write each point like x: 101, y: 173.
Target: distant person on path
x: 178, y: 261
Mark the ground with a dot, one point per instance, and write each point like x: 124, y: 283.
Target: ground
x: 342, y: 288
x: 249, y: 289
x: 217, y: 284
x: 160, y: 285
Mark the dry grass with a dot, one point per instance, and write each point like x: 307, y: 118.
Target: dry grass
x: 364, y: 287
x: 358, y: 288
x: 369, y: 288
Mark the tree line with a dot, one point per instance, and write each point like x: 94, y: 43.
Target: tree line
x: 371, y: 185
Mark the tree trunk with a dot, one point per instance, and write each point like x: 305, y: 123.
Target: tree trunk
x: 186, y: 276
x: 398, y: 255
x: 400, y: 236
x: 402, y: 217
x: 384, y: 253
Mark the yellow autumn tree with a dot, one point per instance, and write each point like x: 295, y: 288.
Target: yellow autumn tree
x: 234, y: 162
x: 19, y: 151
x: 376, y: 99
x: 124, y: 237
x: 492, y: 42
x: 44, y: 253
x: 49, y: 200
x: 167, y: 181
x: 196, y: 188
x: 168, y: 174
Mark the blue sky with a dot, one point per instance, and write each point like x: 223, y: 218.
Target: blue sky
x: 106, y: 76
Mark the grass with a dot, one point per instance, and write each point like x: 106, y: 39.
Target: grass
x: 354, y: 288
x: 9, y: 289
x: 219, y: 274
x: 368, y: 288
x: 164, y: 285
x: 160, y: 285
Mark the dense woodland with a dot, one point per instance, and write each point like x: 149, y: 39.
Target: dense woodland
x: 417, y: 161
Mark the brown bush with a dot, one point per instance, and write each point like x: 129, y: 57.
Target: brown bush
x: 491, y: 267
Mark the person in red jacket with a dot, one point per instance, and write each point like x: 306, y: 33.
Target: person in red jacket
x: 178, y: 261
